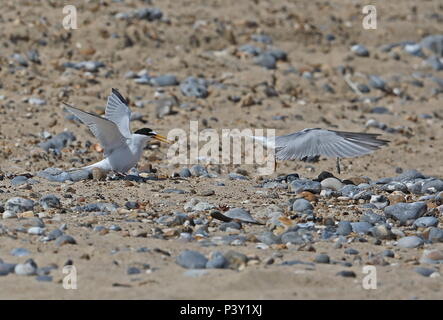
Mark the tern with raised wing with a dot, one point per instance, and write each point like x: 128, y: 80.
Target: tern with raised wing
x: 122, y: 149
x: 313, y: 142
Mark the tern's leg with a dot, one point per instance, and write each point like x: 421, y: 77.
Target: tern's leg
x: 118, y: 174
x: 337, y: 165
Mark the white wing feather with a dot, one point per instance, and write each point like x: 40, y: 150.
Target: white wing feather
x: 117, y: 111
x: 104, y: 130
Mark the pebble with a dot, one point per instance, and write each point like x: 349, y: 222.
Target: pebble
x: 266, y: 60
x: 344, y: 228
x: 132, y: 271
x: 18, y: 204
x: 322, y: 258
x: 435, y: 63
x: 351, y: 251
x: 360, y: 50
x: 49, y: 201
x: 236, y: 260
x: 382, y: 232
x: 217, y: 261
x: 405, y: 211
x: 198, y: 171
x: 347, y: 274
x: 432, y: 257
x: 44, y: 278
x: 302, y: 206
x: 190, y: 259
x: 91, y: 66
x: 20, y: 252
x: 28, y: 268
x: 410, y: 242
x: 301, y: 185
x: 425, y: 222
x: 6, y: 268
x: 361, y: 227
x: 332, y: 183
x: 268, y: 238
x: 163, y: 81
x: 425, y: 272
x: 376, y: 82
x: 65, y: 239
x: 435, y: 235
x: 292, y: 237
x: 185, y: 173
x: 194, y: 87
x: 36, y: 231
x: 19, y: 180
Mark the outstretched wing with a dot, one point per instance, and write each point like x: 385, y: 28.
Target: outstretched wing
x: 117, y: 111
x: 329, y: 143
x: 104, y: 130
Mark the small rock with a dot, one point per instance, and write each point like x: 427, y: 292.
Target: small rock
x: 322, y: 258
x: 190, y: 259
x: 65, y: 239
x: 26, y: 269
x: 410, y: 242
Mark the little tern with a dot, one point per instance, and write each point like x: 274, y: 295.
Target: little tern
x: 122, y: 149
x: 312, y: 142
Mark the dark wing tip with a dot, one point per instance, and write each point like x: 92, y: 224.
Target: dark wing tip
x: 119, y: 96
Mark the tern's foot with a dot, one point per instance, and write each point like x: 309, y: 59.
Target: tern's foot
x: 114, y: 175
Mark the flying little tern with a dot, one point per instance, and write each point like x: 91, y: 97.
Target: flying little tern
x: 312, y: 142
x: 122, y: 149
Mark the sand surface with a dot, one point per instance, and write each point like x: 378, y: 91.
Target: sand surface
x: 201, y: 38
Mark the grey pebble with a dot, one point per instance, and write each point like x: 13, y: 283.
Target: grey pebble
x: 197, y: 171
x: 425, y: 272
x: 57, y: 142
x: 194, y: 87
x: 435, y: 235
x: 6, y: 268
x: 190, y: 259
x: 133, y: 270
x: 217, y: 261
x: 28, y: 268
x: 347, y: 274
x: 435, y: 63
x: 361, y: 227
x: 19, y: 252
x: 322, y: 258
x: 360, y: 50
x: 351, y: 251
x: 410, y: 242
x: 266, y: 60
x: 268, y: 238
x: 91, y: 66
x: 185, y: 173
x: 292, y: 237
x: 302, y: 206
x: 425, y: 222
x: 344, y: 228
x: 18, y: 180
x: 44, y: 278
x: 240, y: 214
x: 300, y: 185
x: 18, y: 204
x: 49, y: 201
x: 65, y: 239
x: 405, y: 211
x: 164, y: 80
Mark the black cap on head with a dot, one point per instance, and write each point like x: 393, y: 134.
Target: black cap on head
x: 145, y: 131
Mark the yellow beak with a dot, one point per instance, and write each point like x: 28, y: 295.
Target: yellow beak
x: 162, y: 139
